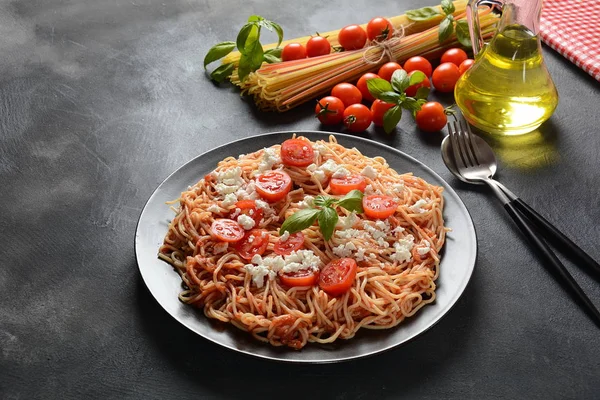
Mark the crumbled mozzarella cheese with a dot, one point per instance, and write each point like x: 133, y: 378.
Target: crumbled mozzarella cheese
x: 228, y: 181
x: 214, y: 208
x: 269, y: 159
x: 220, y: 247
x: 398, y: 229
x: 267, y: 209
x: 301, y: 260
x: 395, y: 190
x: 416, y: 208
x: 320, y: 175
x: 342, y: 251
x: 285, y: 236
x: 312, y: 167
x: 378, y: 231
x: 402, y: 249
x: 424, y: 248
x: 263, y: 267
x: 245, y: 221
x: 230, y: 199
x: 360, y: 254
x: 350, y: 233
x: 329, y: 166
x: 247, y: 193
x: 308, y: 202
x: 347, y: 222
x: 341, y: 172
x: 369, y: 172
x: 320, y: 148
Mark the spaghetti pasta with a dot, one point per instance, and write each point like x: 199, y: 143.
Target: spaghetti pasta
x: 397, y: 257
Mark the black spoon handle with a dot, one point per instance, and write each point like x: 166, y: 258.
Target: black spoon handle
x: 553, y: 264
x: 557, y: 238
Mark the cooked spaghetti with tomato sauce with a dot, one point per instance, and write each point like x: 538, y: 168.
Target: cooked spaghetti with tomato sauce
x: 307, y: 242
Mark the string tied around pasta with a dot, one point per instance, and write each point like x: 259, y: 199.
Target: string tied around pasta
x: 386, y: 47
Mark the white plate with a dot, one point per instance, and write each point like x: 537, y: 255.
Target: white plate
x: 458, y: 257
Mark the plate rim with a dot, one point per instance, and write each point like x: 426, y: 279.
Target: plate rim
x: 471, y: 263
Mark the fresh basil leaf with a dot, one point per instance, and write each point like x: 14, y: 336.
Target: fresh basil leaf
x: 400, y: 80
x: 446, y: 28
x: 411, y: 104
x: 352, y: 201
x: 255, y: 18
x: 422, y: 14
x: 422, y: 93
x: 244, y: 67
x: 222, y: 72
x: 218, y: 51
x: 257, y: 56
x: 391, y: 118
x: 273, y: 55
x: 447, y: 7
x: 416, y: 78
x: 247, y: 38
x: 327, y: 218
x: 323, y: 201
x: 390, y: 97
x: 377, y: 86
x: 299, y: 220
x: 462, y: 33
x: 273, y: 27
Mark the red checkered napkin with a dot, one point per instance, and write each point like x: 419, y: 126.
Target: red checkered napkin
x: 572, y: 27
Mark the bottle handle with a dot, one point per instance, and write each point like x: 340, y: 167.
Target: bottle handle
x: 473, y: 21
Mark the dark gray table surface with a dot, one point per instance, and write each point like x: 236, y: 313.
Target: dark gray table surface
x: 102, y: 100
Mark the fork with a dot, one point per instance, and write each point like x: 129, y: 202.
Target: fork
x: 475, y: 162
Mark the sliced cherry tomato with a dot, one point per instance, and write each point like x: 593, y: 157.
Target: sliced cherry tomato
x: 379, y: 206
x: 455, y: 55
x: 347, y: 93
x: 294, y: 242
x: 248, y: 207
x: 431, y: 117
x: 297, y: 153
x: 412, y: 90
x: 305, y: 277
x: 318, y: 46
x: 330, y: 110
x: 387, y: 69
x: 378, y: 109
x: 418, y: 63
x: 293, y: 51
x: 362, y: 85
x: 227, y: 230
x: 348, y: 183
x: 255, y: 241
x: 465, y: 65
x: 273, y: 185
x: 338, y: 276
x: 357, y: 117
x: 445, y: 76
x: 379, y: 29
x: 352, y: 37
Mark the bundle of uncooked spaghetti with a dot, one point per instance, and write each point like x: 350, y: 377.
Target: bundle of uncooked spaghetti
x: 282, y: 86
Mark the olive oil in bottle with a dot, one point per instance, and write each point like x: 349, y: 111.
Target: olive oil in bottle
x: 508, y: 91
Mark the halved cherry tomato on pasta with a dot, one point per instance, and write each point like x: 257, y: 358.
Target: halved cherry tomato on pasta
x: 348, y: 183
x: 227, y: 230
x: 273, y: 185
x: 255, y: 241
x: 305, y: 277
x: 379, y: 206
x: 297, y: 153
x: 294, y: 242
x: 337, y: 277
x: 249, y: 208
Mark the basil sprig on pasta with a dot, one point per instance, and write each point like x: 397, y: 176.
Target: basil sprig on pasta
x: 325, y: 214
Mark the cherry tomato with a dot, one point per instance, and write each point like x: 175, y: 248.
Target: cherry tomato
x: 305, y: 277
x: 379, y: 29
x: 330, y: 110
x: 445, y: 76
x: 455, y: 55
x: 347, y: 93
x: 362, y: 85
x: 227, y: 230
x: 352, y: 37
x: 387, y: 69
x: 273, y: 185
x: 317, y: 46
x: 254, y: 242
x: 248, y: 207
x: 378, y: 109
x: 294, y: 242
x: 431, y: 117
x: 347, y: 183
x: 418, y: 63
x: 379, y: 206
x: 465, y: 65
x: 297, y: 153
x: 412, y: 90
x: 338, y: 276
x: 293, y: 51
x: 357, y: 117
